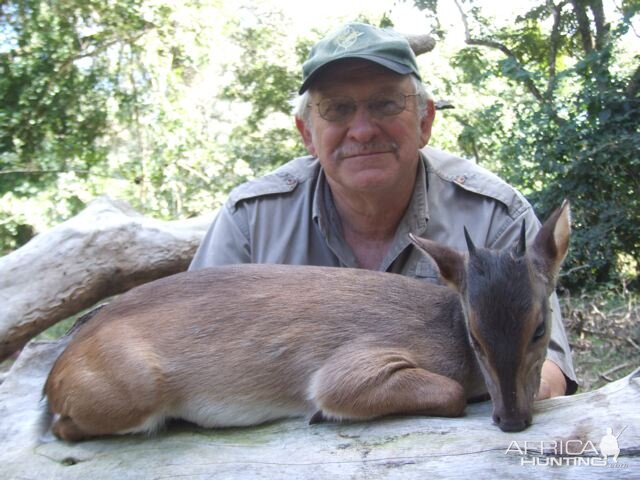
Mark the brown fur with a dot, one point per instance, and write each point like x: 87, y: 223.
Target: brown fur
x: 240, y: 345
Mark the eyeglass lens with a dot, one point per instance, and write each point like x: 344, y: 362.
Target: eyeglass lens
x: 337, y: 109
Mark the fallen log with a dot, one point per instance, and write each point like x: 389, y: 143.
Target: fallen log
x: 564, y: 442
x: 106, y: 249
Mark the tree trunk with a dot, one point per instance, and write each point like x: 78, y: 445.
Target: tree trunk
x: 106, y: 249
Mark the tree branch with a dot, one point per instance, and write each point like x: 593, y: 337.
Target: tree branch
x: 28, y: 171
x: 469, y: 40
x: 526, y: 80
x: 421, y: 43
x: 528, y: 83
x: 99, y: 48
x: 554, y: 46
x: 106, y: 249
x: 64, y: 66
x: 583, y: 25
x: 602, y: 28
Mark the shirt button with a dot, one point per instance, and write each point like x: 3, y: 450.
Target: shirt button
x: 461, y: 179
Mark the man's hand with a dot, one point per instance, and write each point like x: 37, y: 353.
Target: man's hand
x: 552, y: 381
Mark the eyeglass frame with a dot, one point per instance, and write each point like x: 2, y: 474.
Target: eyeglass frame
x: 372, y: 112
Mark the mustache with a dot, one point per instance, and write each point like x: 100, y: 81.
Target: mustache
x: 354, y: 149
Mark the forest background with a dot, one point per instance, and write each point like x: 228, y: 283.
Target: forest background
x: 168, y: 105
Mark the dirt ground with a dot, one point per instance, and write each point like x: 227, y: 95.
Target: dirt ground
x: 604, y: 333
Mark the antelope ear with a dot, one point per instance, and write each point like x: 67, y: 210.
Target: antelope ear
x: 520, y: 248
x: 551, y: 244
x: 470, y: 245
x: 449, y: 261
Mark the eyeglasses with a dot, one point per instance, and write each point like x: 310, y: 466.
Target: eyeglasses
x: 342, y: 109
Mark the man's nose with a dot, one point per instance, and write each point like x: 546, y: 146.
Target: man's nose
x: 363, y: 127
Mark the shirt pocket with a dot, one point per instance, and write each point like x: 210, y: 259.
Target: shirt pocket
x: 427, y: 270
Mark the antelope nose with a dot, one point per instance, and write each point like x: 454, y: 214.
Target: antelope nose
x: 512, y: 424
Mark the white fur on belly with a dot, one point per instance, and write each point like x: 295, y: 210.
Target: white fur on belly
x: 210, y: 414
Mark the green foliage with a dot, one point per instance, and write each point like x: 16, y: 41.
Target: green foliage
x: 591, y: 159
x: 564, y: 123
x: 263, y: 76
x: 473, y: 67
x: 170, y: 104
x: 55, y: 85
x: 266, y: 79
x: 58, y: 74
x: 110, y: 97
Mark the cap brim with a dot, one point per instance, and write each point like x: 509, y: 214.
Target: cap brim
x: 396, y: 67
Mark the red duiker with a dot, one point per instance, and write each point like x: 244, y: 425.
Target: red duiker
x: 244, y: 344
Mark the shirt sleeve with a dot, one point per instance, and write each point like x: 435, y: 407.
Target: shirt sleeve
x: 559, y: 351
x: 226, y: 241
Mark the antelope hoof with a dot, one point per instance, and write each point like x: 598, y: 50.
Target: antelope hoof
x: 318, y: 417
x: 65, y: 429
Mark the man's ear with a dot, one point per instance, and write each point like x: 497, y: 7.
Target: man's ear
x: 426, y: 123
x: 306, y: 135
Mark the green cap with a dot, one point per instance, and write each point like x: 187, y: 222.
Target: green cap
x: 358, y: 40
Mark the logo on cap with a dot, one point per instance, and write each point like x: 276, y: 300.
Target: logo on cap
x: 347, y: 38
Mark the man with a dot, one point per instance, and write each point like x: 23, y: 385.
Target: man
x: 369, y: 181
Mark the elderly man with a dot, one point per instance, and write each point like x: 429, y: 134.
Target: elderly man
x: 365, y: 118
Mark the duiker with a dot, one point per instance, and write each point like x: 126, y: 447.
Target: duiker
x: 240, y: 345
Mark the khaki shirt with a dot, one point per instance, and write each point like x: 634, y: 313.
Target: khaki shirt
x: 289, y: 217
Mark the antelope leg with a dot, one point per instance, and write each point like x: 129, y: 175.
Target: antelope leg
x: 362, y: 383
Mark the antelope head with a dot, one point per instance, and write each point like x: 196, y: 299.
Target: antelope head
x: 505, y: 299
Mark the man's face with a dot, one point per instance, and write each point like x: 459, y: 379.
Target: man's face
x: 366, y: 153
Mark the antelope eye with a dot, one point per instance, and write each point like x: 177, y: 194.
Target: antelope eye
x: 540, y: 331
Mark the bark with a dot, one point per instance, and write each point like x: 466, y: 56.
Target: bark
x: 421, y: 43
x: 584, y: 26
x: 106, y: 249
x: 600, y: 22
x: 555, y: 39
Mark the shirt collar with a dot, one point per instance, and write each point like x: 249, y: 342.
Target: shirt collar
x: 417, y: 215
x: 323, y: 210
x: 325, y: 215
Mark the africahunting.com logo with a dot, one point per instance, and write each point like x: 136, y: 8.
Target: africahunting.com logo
x: 570, y: 452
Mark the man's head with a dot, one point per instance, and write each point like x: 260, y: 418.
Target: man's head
x: 363, y: 110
